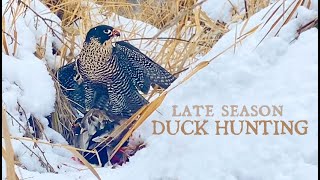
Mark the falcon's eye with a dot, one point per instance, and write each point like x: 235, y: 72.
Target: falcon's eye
x: 107, y: 31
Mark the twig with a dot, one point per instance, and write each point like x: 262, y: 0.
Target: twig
x: 12, y: 38
x: 40, y: 159
x: 18, y: 123
x: 54, y: 32
x: 176, y: 73
x: 304, y: 28
x: 246, y: 8
x: 48, y: 165
x: 25, y: 115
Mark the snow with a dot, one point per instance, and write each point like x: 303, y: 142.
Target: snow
x: 26, y: 81
x: 222, y: 10
x: 37, y: 97
x: 279, y: 71
x: 4, y: 172
x: 289, y: 81
x: 45, y: 31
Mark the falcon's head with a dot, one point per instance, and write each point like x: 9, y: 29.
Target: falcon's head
x: 103, y: 33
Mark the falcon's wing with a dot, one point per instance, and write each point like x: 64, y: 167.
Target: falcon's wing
x: 143, y: 70
x: 73, y: 91
x: 123, y: 93
x: 76, y: 92
x: 120, y: 99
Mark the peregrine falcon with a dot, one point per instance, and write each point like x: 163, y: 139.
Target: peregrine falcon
x: 110, y: 75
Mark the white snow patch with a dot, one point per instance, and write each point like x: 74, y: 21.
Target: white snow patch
x: 36, y: 88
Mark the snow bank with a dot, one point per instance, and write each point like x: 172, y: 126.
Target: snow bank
x: 36, y: 89
x: 288, y: 78
x: 279, y: 71
x: 27, y: 87
x: 223, y: 10
x: 25, y: 78
x: 34, y: 24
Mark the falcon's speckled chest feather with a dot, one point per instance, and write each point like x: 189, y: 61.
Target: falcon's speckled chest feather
x: 96, y: 62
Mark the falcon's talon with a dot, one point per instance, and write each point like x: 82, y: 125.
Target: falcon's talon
x: 78, y: 79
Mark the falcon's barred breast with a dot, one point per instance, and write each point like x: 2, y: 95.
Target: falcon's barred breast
x: 109, y: 77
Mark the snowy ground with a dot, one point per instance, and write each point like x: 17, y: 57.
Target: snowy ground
x: 280, y: 71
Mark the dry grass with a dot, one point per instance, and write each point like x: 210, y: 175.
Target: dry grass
x: 64, y: 116
x: 193, y: 33
x: 185, y: 16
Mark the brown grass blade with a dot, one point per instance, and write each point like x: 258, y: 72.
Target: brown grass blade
x: 271, y: 9
x: 11, y: 174
x: 207, y: 19
x: 150, y: 109
x: 4, y: 41
x: 243, y: 27
x: 5, y: 156
x: 195, y: 70
x: 254, y: 29
x: 272, y: 14
x: 70, y: 148
x: 197, y: 18
x: 85, y: 162
x: 309, y: 4
x: 15, y: 35
x: 128, y: 134
x: 147, y: 111
x: 4, y: 153
x: 291, y: 14
x: 51, y: 144
x: 275, y: 23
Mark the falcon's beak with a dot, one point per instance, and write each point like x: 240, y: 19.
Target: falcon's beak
x: 115, y: 33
